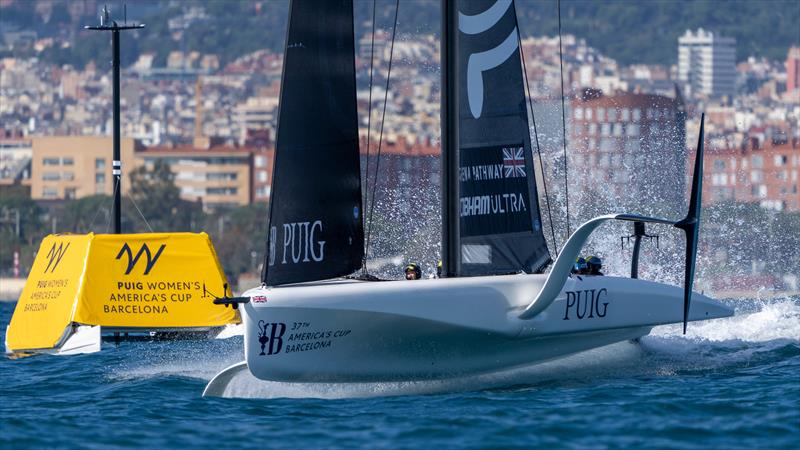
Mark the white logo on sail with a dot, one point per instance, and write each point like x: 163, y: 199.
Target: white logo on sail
x: 483, y: 61
x: 301, y: 242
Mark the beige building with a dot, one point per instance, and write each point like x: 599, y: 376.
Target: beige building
x: 217, y: 175
x: 67, y: 167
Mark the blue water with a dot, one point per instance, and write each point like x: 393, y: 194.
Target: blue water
x: 732, y: 383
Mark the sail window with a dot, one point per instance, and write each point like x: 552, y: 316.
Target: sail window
x: 476, y: 254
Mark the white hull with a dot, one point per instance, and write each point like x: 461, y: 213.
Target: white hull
x: 410, y: 330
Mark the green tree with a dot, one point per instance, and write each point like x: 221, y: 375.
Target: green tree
x: 87, y: 214
x: 239, y: 236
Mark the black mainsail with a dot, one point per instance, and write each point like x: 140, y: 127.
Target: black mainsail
x: 499, y: 229
x: 316, y: 229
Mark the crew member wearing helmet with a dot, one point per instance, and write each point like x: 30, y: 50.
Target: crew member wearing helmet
x: 580, y: 267
x: 413, y: 272
x: 439, y: 269
x: 595, y: 264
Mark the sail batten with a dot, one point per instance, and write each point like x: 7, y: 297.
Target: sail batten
x: 500, y: 229
x: 316, y: 230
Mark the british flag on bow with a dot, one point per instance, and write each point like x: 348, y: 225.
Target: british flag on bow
x: 514, y: 162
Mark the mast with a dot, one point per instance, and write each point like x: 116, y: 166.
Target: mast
x: 451, y: 261
x: 116, y: 162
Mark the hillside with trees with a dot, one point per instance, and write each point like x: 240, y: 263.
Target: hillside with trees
x: 629, y: 31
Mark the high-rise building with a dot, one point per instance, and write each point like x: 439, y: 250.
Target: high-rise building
x: 707, y: 63
x: 793, y: 69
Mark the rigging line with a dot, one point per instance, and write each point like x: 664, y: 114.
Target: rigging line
x: 383, y: 121
x: 563, y: 114
x: 535, y: 132
x: 140, y: 213
x: 369, y: 123
x: 97, y: 213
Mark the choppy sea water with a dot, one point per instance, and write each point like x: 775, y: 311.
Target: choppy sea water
x: 731, y: 383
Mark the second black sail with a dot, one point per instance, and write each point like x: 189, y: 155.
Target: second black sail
x: 316, y: 229
x: 500, y: 228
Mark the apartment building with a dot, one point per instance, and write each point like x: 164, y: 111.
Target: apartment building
x: 69, y: 167
x: 631, y: 145
x: 213, y: 172
x: 762, y: 172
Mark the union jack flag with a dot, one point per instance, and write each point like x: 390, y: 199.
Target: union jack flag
x: 514, y: 162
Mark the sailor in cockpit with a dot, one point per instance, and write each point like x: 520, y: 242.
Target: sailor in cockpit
x: 580, y: 267
x: 413, y: 272
x: 594, y: 264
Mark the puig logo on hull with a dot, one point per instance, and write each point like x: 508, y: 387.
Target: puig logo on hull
x: 585, y: 304
x: 132, y: 260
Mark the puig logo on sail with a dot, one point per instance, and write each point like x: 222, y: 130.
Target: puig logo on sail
x: 301, y: 243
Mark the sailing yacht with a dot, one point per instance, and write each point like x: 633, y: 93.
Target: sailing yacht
x: 495, y: 308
